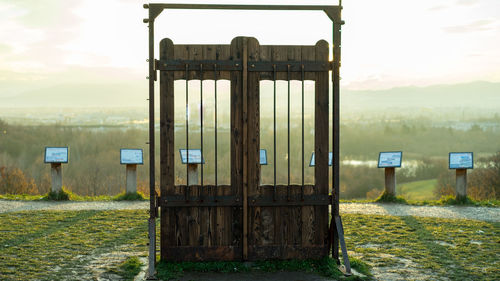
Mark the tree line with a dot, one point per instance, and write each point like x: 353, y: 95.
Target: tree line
x: 94, y: 167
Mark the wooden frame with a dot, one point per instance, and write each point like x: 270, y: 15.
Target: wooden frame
x: 258, y: 222
x: 334, y: 13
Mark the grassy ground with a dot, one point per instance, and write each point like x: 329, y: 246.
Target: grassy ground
x: 412, y: 247
x: 49, y: 245
x: 68, y: 195
x: 67, y: 244
x: 418, y: 190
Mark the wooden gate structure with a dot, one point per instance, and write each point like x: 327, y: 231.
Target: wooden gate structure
x: 246, y: 220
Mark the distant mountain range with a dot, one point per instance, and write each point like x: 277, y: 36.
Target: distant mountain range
x: 134, y: 94
x: 475, y: 94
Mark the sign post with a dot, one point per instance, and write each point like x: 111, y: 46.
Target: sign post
x: 461, y: 161
x: 263, y: 161
x: 390, y: 160
x: 131, y: 158
x: 56, y: 156
x: 312, y: 162
x: 192, y: 158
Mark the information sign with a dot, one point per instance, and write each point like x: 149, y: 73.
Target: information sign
x: 390, y: 159
x: 194, y: 156
x: 330, y: 159
x: 263, y: 157
x: 131, y: 156
x: 56, y: 155
x: 461, y: 160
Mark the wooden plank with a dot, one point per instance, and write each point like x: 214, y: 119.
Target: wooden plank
x: 294, y: 230
x: 167, y: 226
x: 245, y: 146
x: 321, y: 142
x: 279, y: 53
x: 193, y: 253
x: 210, y: 52
x: 224, y: 214
x: 253, y: 165
x: 307, y: 216
x: 223, y: 53
x: 266, y: 231
x: 183, y: 214
x: 236, y: 141
x: 195, y: 52
x: 284, y: 252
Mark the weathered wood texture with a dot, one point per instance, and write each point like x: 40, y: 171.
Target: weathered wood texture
x: 390, y: 181
x: 461, y: 184
x: 209, y: 232
x: 56, y: 176
x: 131, y: 174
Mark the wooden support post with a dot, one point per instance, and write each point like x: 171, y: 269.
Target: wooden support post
x: 56, y: 173
x: 131, y: 178
x: 461, y: 184
x: 193, y: 174
x: 390, y: 181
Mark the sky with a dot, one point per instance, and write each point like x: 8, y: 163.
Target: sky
x: 385, y: 43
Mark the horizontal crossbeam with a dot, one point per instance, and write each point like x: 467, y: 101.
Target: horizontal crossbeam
x: 236, y: 65
x: 236, y: 201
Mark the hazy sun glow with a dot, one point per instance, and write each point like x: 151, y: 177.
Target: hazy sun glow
x: 385, y: 43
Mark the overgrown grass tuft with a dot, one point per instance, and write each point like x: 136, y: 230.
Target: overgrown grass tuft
x: 65, y: 195
x: 325, y: 267
x: 125, y: 196
x: 21, y: 197
x: 61, y: 195
x: 389, y: 198
x: 452, y: 200
x: 129, y: 268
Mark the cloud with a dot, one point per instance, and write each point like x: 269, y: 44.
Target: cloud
x: 41, y: 14
x: 437, y: 8
x: 478, y: 25
x: 467, y: 2
x: 5, y: 48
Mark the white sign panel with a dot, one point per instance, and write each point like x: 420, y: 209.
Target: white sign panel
x: 330, y: 159
x: 263, y: 157
x: 390, y: 159
x: 131, y: 156
x: 194, y: 156
x: 461, y: 160
x: 56, y: 155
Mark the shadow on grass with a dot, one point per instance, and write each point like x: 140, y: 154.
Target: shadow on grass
x: 49, y: 229
x: 439, y: 254
x: 326, y: 267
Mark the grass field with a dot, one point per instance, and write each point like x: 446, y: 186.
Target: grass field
x: 417, y: 190
x: 75, y: 245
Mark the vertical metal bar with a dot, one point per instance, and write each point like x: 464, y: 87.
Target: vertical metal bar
x: 201, y: 125
x: 186, y: 192
x: 274, y: 130
x: 336, y: 126
x: 152, y: 194
x: 216, y: 163
x: 288, y: 133
x: 302, y: 79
